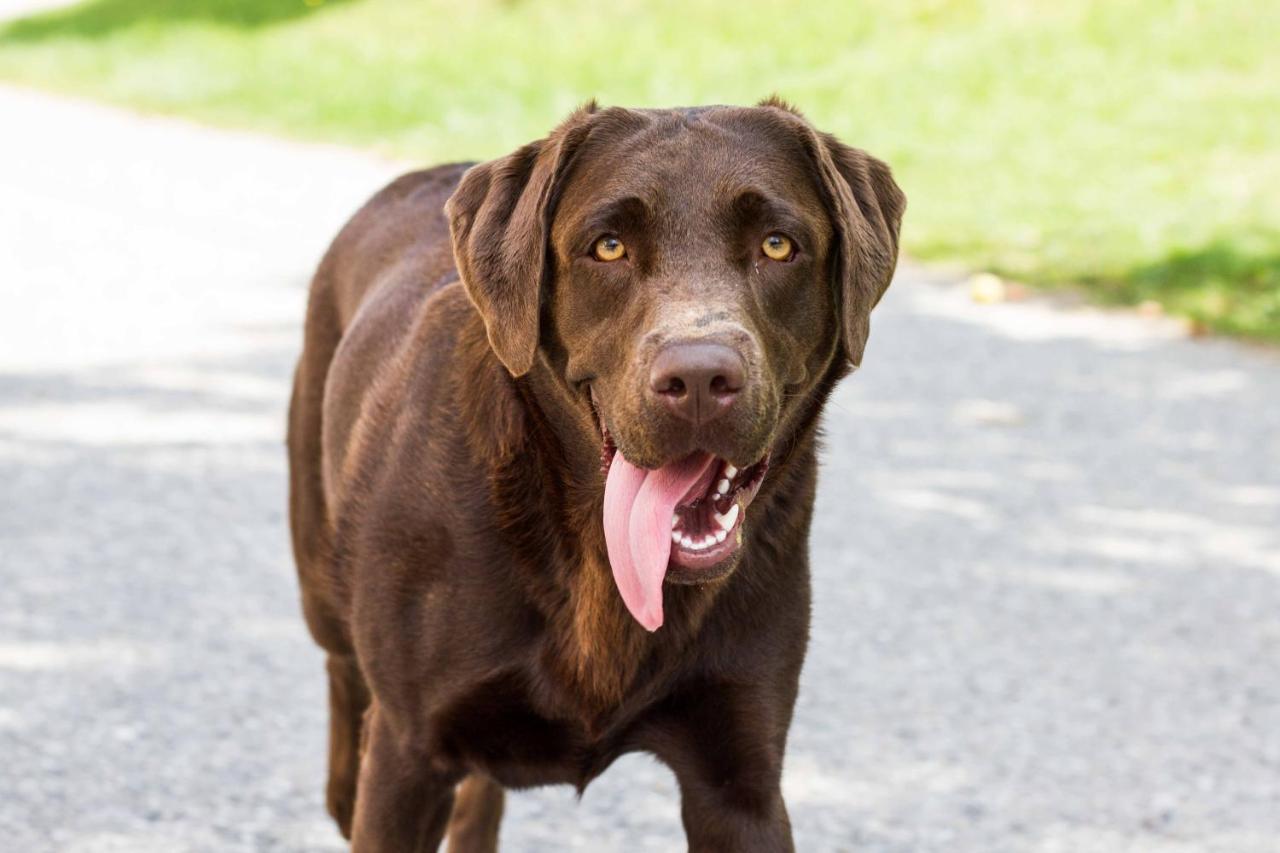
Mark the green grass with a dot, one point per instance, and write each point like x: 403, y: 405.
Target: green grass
x: 1131, y: 147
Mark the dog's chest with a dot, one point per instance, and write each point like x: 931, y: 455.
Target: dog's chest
x: 497, y: 729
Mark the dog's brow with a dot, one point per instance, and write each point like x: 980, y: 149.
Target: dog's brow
x: 750, y: 204
x: 628, y: 210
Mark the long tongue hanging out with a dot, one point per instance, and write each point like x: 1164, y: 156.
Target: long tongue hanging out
x: 638, y: 505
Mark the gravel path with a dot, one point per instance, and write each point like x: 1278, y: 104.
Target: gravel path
x: 1047, y: 548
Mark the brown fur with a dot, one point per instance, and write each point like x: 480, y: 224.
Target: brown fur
x: 446, y: 489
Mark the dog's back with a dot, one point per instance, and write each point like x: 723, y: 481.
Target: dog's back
x: 388, y: 259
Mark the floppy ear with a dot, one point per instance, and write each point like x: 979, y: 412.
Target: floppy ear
x: 499, y: 219
x: 870, y: 207
x: 866, y: 208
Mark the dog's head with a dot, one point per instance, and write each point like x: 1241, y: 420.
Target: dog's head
x: 690, y: 276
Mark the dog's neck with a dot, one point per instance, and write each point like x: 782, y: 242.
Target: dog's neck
x: 543, y: 446
x: 595, y: 648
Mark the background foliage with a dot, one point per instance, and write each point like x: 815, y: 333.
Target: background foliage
x: 1131, y: 147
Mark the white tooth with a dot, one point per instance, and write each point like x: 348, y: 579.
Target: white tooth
x: 710, y: 540
x: 730, y: 471
x: 722, y: 487
x: 675, y: 521
x: 730, y: 518
x: 686, y: 541
x: 675, y: 536
x: 722, y: 535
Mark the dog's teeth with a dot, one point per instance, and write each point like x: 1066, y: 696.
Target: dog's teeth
x: 729, y: 519
x: 730, y: 471
x: 675, y: 521
x: 675, y: 536
x: 722, y: 487
x: 686, y: 541
x: 722, y: 535
x: 710, y: 540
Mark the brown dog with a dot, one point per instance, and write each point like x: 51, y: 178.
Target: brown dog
x: 552, y: 452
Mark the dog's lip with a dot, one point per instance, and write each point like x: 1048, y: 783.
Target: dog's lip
x: 712, y: 508
x: 718, y: 521
x: 609, y: 447
x: 691, y: 571
x: 711, y: 518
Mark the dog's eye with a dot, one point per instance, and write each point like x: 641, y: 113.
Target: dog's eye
x: 609, y: 248
x: 777, y: 247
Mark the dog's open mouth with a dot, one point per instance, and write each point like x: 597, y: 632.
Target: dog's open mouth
x: 706, y: 524
x: 680, y: 523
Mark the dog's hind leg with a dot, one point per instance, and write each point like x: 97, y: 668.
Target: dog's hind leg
x: 312, y: 547
x: 348, y: 701
x: 477, y: 812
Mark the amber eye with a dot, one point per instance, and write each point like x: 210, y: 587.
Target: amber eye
x: 609, y: 248
x: 777, y: 247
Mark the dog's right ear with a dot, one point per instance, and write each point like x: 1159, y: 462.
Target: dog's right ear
x: 499, y: 218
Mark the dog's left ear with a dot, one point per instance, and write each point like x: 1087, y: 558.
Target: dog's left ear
x: 868, y: 207
x: 499, y: 219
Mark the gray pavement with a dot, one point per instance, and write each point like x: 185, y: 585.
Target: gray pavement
x: 1047, y: 547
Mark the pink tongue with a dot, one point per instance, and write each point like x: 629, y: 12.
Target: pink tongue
x: 638, y: 505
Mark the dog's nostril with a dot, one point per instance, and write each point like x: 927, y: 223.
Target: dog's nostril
x: 675, y: 386
x: 721, y: 385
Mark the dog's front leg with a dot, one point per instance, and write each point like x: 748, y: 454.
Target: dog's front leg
x: 734, y: 814
x: 725, y: 745
x: 402, y: 801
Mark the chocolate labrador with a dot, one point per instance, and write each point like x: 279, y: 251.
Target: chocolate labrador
x: 553, y: 453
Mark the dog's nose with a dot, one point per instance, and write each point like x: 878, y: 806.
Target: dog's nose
x: 697, y: 381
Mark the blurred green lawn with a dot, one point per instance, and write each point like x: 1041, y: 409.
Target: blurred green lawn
x: 1131, y: 147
